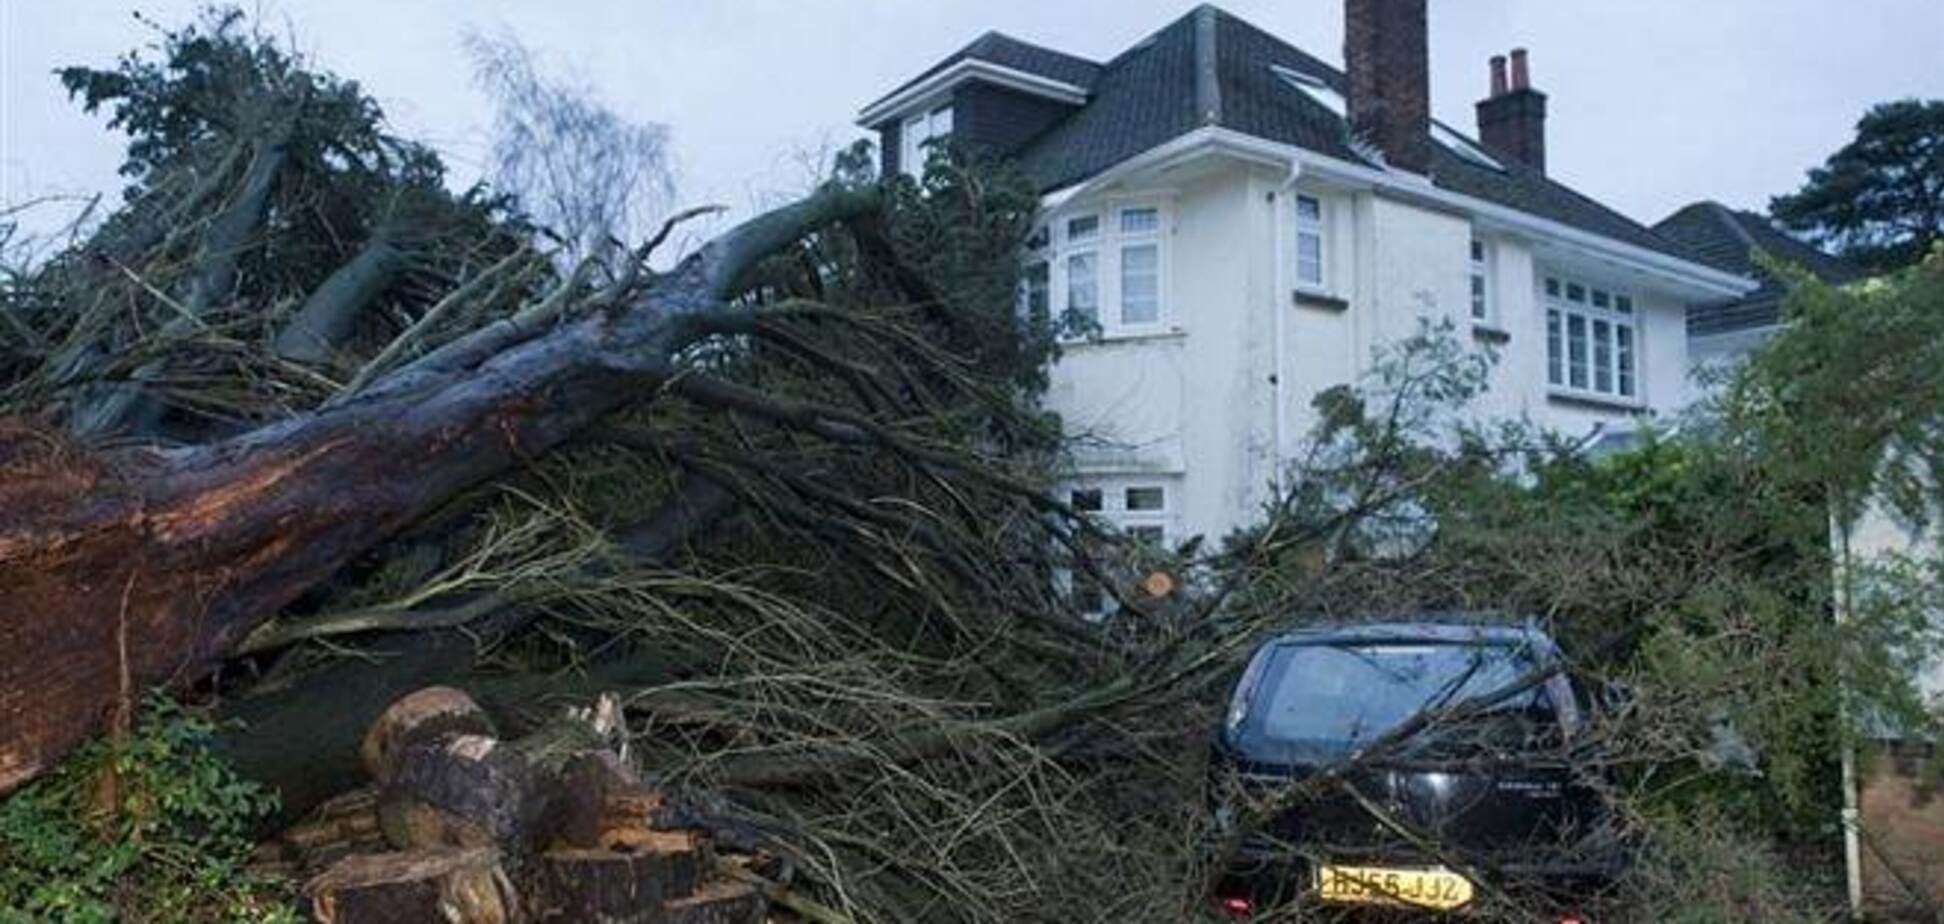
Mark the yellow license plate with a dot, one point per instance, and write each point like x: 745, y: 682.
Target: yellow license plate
x: 1437, y: 889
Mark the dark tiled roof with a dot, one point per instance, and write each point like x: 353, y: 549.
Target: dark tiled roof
x: 1726, y: 239
x: 1140, y: 99
x: 1146, y: 96
x: 1006, y: 51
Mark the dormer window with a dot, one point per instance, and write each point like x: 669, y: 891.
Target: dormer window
x: 916, y: 137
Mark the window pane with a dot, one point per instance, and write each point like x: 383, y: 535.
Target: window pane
x: 1083, y: 228
x: 1552, y: 287
x: 1308, y: 209
x: 1478, y: 251
x: 1599, y: 298
x: 1036, y: 279
x: 1602, y: 357
x: 1623, y: 304
x: 1309, y: 259
x: 1624, y: 347
x: 1140, y: 284
x: 1478, y: 296
x: 1140, y: 221
x: 1575, y: 292
x: 1554, y: 362
x: 1576, y: 350
x: 1147, y: 535
x: 1149, y: 499
x: 1083, y: 289
x: 1086, y: 500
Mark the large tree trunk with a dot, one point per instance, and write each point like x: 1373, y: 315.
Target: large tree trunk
x: 126, y: 570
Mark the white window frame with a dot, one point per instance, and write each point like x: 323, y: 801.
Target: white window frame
x: 1113, y: 512
x: 1317, y: 228
x: 1109, y: 244
x: 916, y: 132
x: 1482, y: 301
x: 1576, y: 304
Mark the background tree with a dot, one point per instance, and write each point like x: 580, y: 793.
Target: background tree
x: 1879, y: 201
x: 589, y: 176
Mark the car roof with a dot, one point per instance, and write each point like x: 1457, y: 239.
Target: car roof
x: 1447, y: 629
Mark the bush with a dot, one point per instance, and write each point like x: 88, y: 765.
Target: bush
x: 150, y: 827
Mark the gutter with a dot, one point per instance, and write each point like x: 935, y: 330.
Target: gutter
x: 1410, y: 187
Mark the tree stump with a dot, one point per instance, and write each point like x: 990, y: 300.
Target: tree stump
x: 448, y: 886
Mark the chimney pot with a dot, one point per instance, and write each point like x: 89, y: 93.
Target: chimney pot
x: 1512, y: 121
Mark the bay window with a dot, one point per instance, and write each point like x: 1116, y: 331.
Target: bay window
x: 1111, y: 268
x: 1591, y: 340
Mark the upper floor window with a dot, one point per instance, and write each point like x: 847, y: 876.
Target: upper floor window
x: 1592, y: 339
x: 1111, y: 268
x: 916, y: 135
x: 1481, y: 281
x: 1140, y: 266
x: 1309, y: 243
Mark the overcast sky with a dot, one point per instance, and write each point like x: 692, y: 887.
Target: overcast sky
x: 1654, y: 103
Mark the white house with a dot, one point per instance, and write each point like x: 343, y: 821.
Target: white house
x: 1247, y: 223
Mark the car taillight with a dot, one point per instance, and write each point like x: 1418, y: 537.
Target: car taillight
x: 1238, y: 908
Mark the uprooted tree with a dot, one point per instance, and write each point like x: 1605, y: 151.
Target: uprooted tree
x: 299, y: 433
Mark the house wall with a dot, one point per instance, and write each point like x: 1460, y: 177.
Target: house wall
x: 1205, y: 406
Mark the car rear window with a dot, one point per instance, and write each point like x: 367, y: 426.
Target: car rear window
x: 1335, y: 695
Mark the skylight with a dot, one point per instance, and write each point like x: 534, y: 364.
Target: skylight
x: 1316, y: 88
x: 1461, y: 146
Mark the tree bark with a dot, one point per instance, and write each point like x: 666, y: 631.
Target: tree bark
x: 330, y: 314
x: 127, y: 570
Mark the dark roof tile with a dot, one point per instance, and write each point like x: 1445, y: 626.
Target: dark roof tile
x: 1726, y: 239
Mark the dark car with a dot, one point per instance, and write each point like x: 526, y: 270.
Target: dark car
x: 1330, y: 799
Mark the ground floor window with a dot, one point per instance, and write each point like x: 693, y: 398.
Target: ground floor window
x: 1142, y: 510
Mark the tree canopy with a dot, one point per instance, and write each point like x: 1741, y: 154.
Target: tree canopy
x: 1879, y: 200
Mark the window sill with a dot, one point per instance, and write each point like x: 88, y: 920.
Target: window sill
x: 1126, y: 336
x: 1596, y: 400
x: 1490, y: 333
x: 1306, y: 298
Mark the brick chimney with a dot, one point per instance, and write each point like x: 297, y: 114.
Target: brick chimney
x: 1512, y: 120
x: 1387, y: 61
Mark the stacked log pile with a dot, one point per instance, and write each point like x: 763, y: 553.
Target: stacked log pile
x: 459, y: 825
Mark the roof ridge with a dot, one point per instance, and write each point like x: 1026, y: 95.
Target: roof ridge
x: 1727, y: 217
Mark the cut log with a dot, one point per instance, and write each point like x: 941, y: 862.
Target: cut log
x: 139, y: 567
x: 462, y: 790
x: 720, y: 901
x: 614, y: 886
x: 449, y: 886
x: 339, y: 828
x: 423, y: 716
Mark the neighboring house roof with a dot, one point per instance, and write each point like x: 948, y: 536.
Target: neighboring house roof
x: 1726, y: 239
x: 1159, y: 90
